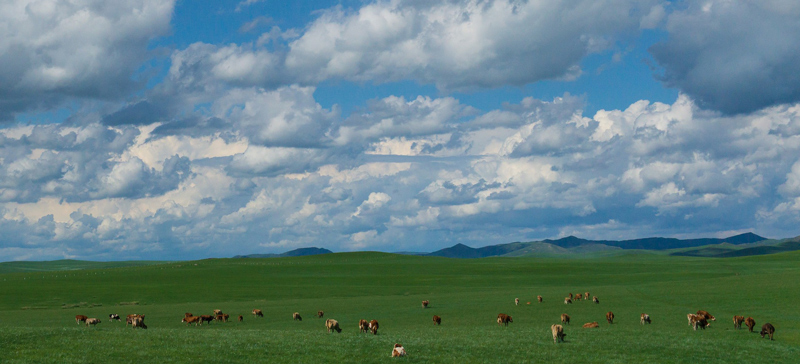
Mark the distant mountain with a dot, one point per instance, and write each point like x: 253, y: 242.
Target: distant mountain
x: 572, y: 245
x: 728, y: 250
x: 292, y: 253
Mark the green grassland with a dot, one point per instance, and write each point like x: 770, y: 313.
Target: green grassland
x: 37, y: 310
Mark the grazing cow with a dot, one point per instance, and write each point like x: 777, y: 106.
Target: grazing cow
x: 591, y: 325
x: 570, y: 295
x: 437, y: 320
x: 567, y: 301
x: 706, y: 315
x: 586, y: 296
x: 113, y: 316
x: 697, y: 321
x: 503, y: 319
x: 129, y: 319
x: 217, y: 312
x: 558, y: 333
x: 191, y: 320
x: 737, y: 322
x: 331, y: 325
x: 320, y: 314
x: 645, y: 318
x: 363, y: 326
x: 564, y: 318
x: 539, y: 298
x: 578, y: 297
x: 138, y: 321
x: 188, y: 314
x: 750, y: 323
x: 767, y: 329
x: 296, y: 316
x: 595, y: 300
x: 425, y: 304
x: 373, y: 327
x: 80, y: 318
x: 516, y: 301
x: 258, y: 313
x: 206, y: 318
x: 398, y: 351
x: 610, y: 317
x: 222, y: 317
x: 93, y: 321
x: 241, y: 318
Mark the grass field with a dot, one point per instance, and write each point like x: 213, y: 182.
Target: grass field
x: 37, y: 310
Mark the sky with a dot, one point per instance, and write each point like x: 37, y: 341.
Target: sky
x: 163, y: 129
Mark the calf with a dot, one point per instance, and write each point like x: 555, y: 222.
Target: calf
x: 539, y: 298
x: 737, y: 322
x: 320, y: 314
x: 595, y: 300
x: 373, y: 327
x: 750, y: 323
x: 644, y: 318
x: 332, y: 325
x: 363, y: 326
x: 558, y: 333
x: 93, y: 321
x: 296, y: 316
x: 564, y: 319
x: 398, y: 351
x: 80, y: 318
x: 191, y: 320
x: 503, y: 319
x: 425, y: 304
x: 113, y: 316
x: 437, y: 320
x: 610, y: 317
x: 591, y: 325
x: 567, y: 301
x: 767, y: 329
x: 516, y: 301
x: 258, y: 313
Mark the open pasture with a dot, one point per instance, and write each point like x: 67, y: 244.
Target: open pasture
x: 37, y: 310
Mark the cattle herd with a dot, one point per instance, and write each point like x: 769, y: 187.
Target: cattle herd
x: 696, y: 320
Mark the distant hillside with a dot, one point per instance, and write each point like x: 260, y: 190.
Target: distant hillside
x: 292, y: 253
x: 574, y: 245
x: 728, y: 251
x: 68, y: 264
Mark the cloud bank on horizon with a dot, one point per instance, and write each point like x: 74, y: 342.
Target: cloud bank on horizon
x: 124, y: 137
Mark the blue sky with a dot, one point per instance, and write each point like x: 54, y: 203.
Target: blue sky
x: 146, y: 129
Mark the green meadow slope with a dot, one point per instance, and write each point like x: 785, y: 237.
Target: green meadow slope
x: 37, y: 309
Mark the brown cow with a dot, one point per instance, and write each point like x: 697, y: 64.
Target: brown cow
x: 93, y: 321
x: 332, y: 325
x: 320, y: 314
x: 564, y: 318
x: 296, y: 316
x: 398, y: 351
x: 516, y: 301
x: 80, y: 318
x: 767, y: 329
x: 373, y: 327
x: 595, y: 300
x: 558, y: 333
x: 706, y: 315
x: 241, y: 318
x: 217, y: 312
x: 503, y: 319
x: 363, y: 326
x: 578, y: 297
x: 591, y: 325
x: 539, y: 298
x: 130, y: 318
x: 187, y: 314
x: 425, y: 304
x: 610, y: 317
x: 697, y: 321
x: 206, y: 318
x: 737, y: 321
x: 644, y: 318
x: 586, y: 296
x: 750, y: 323
x: 191, y: 320
x: 222, y: 317
x: 437, y: 320
x: 570, y: 295
x: 258, y: 313
x: 139, y: 322
x: 567, y: 301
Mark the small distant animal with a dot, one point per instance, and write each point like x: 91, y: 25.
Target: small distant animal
x: 206, y: 318
x: 139, y: 322
x: 529, y: 302
x: 539, y: 298
x: 332, y: 325
x: 767, y: 329
x: 697, y: 321
x: 373, y: 327
x: 564, y: 318
x: 363, y: 326
x: 503, y: 319
x: 437, y: 320
x: 516, y: 301
x: 191, y: 320
x: 610, y: 317
x: 130, y: 318
x: 296, y: 316
x: 567, y: 301
x: 586, y: 296
x: 570, y: 295
x: 558, y: 333
x: 320, y: 314
x: 595, y: 300
x: 750, y: 323
x: 217, y: 312
x: 578, y: 297
x: 241, y: 318
x: 258, y: 313
x: 737, y: 322
x: 706, y: 315
x: 425, y: 304
x: 80, y: 318
x: 222, y: 317
x: 93, y: 321
x: 591, y: 325
x: 113, y: 316
x: 398, y: 351
x: 645, y: 318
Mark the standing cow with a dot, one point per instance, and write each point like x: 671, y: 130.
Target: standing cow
x: 80, y: 318
x: 320, y: 314
x: 564, y: 319
x: 332, y: 325
x: 113, y: 316
x: 586, y: 296
x: 363, y: 326
x: 750, y: 323
x: 610, y: 317
x: 767, y: 329
x: 558, y: 333
x: 296, y: 316
x: 373, y: 327
x: 567, y: 301
x: 93, y: 321
x: 516, y: 301
x: 258, y: 313
x: 437, y: 320
x: 425, y: 304
x: 503, y: 319
x: 595, y: 300
x: 644, y: 318
x: 737, y: 322
x: 539, y: 298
